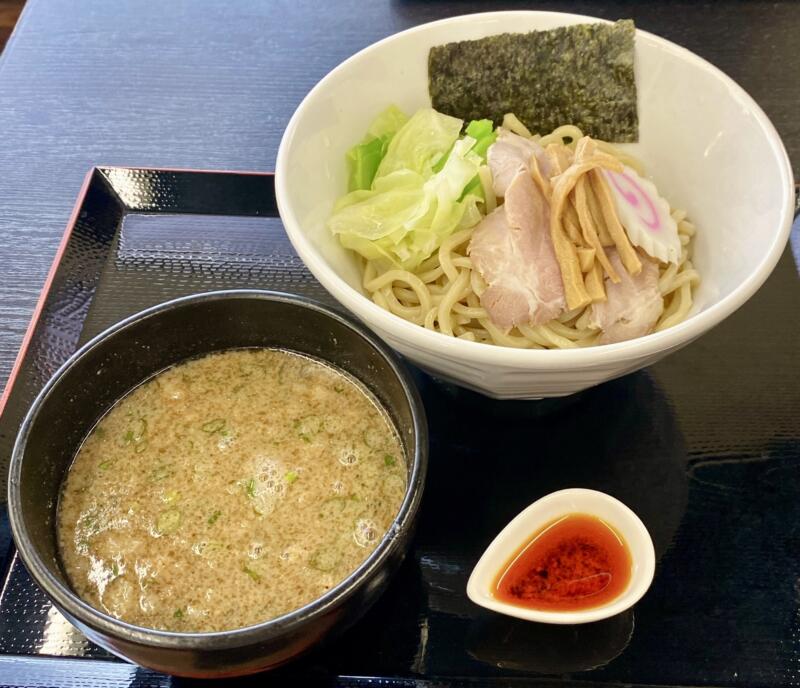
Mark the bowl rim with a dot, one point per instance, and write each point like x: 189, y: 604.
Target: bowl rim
x: 435, y: 343
x: 68, y: 601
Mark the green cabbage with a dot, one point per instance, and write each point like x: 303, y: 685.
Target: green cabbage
x: 389, y: 122
x: 421, y: 143
x: 364, y: 158
x: 411, y: 208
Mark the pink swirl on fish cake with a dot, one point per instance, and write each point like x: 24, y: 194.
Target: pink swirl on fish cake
x: 637, y: 198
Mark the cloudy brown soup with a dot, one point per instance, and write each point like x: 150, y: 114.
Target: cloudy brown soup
x: 228, y: 490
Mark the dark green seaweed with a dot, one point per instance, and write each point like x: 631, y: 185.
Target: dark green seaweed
x: 580, y: 75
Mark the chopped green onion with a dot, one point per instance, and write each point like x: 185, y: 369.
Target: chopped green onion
x: 207, y: 549
x: 172, y: 496
x: 213, y: 518
x: 213, y: 426
x: 373, y: 438
x: 246, y: 569
x: 89, y: 525
x: 250, y: 488
x: 393, y: 484
x: 338, y: 389
x: 178, y: 614
x: 324, y: 559
x: 105, y: 465
x: 160, y: 473
x: 168, y: 521
x: 135, y: 434
x: 115, y: 569
x: 389, y: 460
x: 307, y: 427
x: 290, y: 477
x: 100, y: 432
x: 139, y: 429
x: 334, y: 506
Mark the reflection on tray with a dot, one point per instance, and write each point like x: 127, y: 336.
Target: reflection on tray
x: 508, y: 643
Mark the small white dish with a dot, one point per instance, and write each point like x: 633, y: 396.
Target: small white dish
x: 539, y: 514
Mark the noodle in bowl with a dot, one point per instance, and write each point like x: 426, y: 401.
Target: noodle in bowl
x: 443, y: 294
x: 706, y: 144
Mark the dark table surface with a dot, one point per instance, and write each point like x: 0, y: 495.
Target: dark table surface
x: 210, y: 84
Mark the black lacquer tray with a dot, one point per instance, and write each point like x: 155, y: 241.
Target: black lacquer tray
x: 705, y: 446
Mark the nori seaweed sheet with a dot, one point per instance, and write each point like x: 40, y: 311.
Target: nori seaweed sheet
x: 580, y: 75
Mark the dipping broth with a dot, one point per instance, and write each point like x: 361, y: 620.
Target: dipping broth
x: 228, y: 490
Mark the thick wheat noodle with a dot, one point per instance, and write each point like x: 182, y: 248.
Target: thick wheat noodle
x: 430, y: 319
x: 534, y: 333
x: 453, y: 295
x: 431, y: 275
x: 439, y: 288
x: 622, y: 156
x: 446, y: 249
x: 678, y: 308
x: 369, y: 273
x: 477, y: 284
x: 443, y: 293
x: 549, y: 338
x: 473, y: 312
x: 667, y: 279
x: 423, y: 293
x: 565, y: 131
x: 413, y: 313
x: 500, y: 337
x: 406, y: 294
x: 380, y: 299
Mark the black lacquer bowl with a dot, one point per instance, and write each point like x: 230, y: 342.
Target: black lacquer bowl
x: 125, y: 355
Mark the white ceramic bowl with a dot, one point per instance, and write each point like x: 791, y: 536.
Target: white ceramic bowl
x: 707, y: 145
x: 539, y: 514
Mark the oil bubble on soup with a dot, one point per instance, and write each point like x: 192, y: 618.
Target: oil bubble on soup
x: 228, y: 490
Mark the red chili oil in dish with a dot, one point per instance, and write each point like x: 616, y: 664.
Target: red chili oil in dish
x: 575, y: 562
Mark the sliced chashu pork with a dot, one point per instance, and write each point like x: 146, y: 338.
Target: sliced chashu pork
x: 511, y: 153
x: 633, y: 305
x: 513, y: 251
